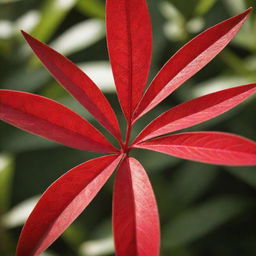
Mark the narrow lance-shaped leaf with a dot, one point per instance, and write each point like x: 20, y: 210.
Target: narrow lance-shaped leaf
x: 188, y: 61
x: 75, y: 81
x: 196, y: 111
x: 62, y: 202
x: 207, y: 147
x: 129, y: 40
x: 135, y: 215
x: 49, y: 119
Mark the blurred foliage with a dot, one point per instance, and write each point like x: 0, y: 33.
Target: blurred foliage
x: 204, y: 210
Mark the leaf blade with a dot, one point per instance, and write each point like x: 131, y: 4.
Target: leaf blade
x: 206, y: 147
x: 129, y: 41
x: 135, y: 216
x: 196, y: 111
x: 49, y: 119
x: 77, y: 83
x: 62, y: 202
x: 189, y: 60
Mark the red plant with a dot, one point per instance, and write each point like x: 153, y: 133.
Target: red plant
x: 135, y: 215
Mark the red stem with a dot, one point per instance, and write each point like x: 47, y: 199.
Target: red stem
x: 127, y: 138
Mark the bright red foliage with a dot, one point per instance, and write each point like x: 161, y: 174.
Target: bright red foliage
x: 196, y: 111
x: 77, y: 83
x: 63, y: 201
x: 48, y: 118
x: 129, y: 44
x: 206, y: 147
x: 135, y: 215
x: 188, y: 60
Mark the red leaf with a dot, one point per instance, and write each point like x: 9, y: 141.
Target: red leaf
x: 62, y: 202
x: 188, y: 61
x: 207, y: 147
x: 196, y: 111
x: 51, y: 120
x: 129, y: 43
x: 135, y: 215
x: 76, y: 82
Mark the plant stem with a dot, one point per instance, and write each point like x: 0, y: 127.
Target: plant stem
x: 127, y: 137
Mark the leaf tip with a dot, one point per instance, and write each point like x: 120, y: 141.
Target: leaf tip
x: 24, y: 33
x: 246, y: 12
x: 29, y: 38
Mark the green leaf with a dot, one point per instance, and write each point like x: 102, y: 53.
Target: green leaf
x: 174, y: 28
x: 232, y: 60
x: 94, y: 8
x: 48, y: 254
x: 219, y: 83
x: 184, y: 191
x: 79, y: 36
x: 9, y: 1
x: 246, y: 174
x: 6, y: 174
x: 6, y: 29
x: 235, y: 6
x: 200, y: 220
x: 19, y: 214
x: 99, y: 247
x: 18, y: 141
x: 52, y: 14
x: 29, y: 79
x: 154, y: 161
x: 100, y: 72
x: 179, y: 252
x: 185, y: 7
x: 204, y: 6
x: 27, y: 21
x: 246, y: 37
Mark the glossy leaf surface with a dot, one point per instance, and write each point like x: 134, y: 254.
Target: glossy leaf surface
x: 188, y: 61
x: 207, y: 147
x: 196, y: 111
x: 62, y: 202
x: 75, y: 81
x: 129, y: 44
x: 135, y: 215
x: 49, y: 119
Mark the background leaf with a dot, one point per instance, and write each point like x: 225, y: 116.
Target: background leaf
x: 57, y: 10
x: 6, y: 175
x: 202, y: 219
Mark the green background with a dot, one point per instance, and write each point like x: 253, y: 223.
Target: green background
x: 204, y: 209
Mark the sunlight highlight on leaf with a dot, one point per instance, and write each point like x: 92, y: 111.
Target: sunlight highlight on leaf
x: 100, y: 72
x: 219, y: 83
x: 72, y: 40
x: 19, y: 213
x: 98, y: 247
x: 28, y: 21
x: 6, y: 29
